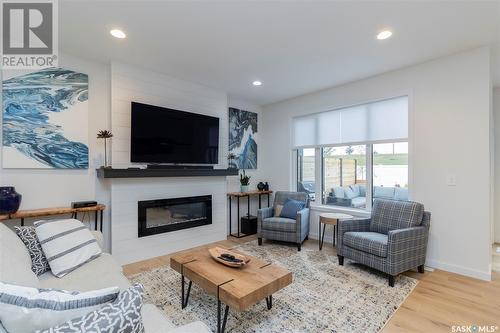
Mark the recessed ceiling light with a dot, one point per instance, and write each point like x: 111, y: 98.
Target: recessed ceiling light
x: 118, y: 33
x: 257, y: 83
x: 384, y: 34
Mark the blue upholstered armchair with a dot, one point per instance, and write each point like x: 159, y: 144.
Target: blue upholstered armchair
x: 393, y: 240
x: 281, y: 228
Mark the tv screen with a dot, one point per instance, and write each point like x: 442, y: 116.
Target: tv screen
x: 161, y: 135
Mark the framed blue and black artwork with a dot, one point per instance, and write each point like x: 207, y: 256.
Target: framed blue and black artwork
x: 243, y: 138
x: 45, y: 119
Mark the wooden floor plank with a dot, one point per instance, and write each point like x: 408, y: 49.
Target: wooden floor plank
x: 439, y: 301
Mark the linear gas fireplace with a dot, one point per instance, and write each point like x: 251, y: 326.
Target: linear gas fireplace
x: 164, y: 215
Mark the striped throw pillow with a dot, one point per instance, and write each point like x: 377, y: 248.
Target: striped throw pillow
x: 67, y: 244
x: 26, y: 309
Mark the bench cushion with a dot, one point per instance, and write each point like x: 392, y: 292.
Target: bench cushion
x: 358, y: 202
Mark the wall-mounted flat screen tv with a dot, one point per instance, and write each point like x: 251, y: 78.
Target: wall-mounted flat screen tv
x: 162, y: 135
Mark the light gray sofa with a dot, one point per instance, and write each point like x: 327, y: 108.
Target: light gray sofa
x: 355, y: 195
x: 15, y: 268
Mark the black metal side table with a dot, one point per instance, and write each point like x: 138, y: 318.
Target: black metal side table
x: 238, y: 196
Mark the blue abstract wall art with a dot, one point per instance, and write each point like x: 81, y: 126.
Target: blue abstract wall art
x: 45, y: 119
x: 243, y: 138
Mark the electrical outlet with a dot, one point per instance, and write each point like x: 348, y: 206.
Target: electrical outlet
x: 451, y: 179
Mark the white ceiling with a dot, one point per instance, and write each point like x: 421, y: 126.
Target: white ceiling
x: 293, y: 47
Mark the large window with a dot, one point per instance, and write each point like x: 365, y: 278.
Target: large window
x: 344, y: 176
x: 390, y: 170
x: 306, y: 161
x: 359, y: 153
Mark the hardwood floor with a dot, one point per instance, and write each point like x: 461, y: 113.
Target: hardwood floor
x: 439, y: 301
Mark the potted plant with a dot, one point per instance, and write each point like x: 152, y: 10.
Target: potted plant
x: 105, y: 134
x: 244, y: 182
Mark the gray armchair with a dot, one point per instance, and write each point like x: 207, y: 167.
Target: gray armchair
x: 284, y: 229
x: 393, y: 240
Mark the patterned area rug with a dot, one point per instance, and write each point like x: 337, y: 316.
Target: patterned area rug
x: 324, y: 297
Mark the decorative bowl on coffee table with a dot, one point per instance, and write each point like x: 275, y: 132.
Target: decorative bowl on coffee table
x: 228, y: 257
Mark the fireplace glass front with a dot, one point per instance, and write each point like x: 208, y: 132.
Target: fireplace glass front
x: 165, y: 215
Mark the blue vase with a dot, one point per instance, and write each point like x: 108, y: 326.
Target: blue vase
x: 9, y: 200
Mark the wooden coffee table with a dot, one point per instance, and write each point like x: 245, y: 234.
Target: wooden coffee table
x: 238, y: 288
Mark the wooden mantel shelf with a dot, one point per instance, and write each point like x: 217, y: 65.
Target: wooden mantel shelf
x: 146, y: 173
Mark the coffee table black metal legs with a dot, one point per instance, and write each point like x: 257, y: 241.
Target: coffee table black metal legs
x: 221, y: 319
x: 221, y: 324
x: 184, y: 299
x: 222, y: 328
x: 269, y: 302
x: 224, y: 321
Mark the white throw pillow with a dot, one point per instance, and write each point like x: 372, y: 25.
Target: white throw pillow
x: 67, y: 244
x: 26, y: 309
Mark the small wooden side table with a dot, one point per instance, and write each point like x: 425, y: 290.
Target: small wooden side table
x: 332, y: 219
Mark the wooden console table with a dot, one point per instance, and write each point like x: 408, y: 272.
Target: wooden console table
x: 22, y: 214
x: 239, y: 195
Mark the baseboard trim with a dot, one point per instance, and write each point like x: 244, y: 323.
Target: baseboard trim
x: 486, y: 276
x: 313, y: 236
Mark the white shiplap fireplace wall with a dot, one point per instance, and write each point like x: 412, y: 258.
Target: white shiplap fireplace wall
x: 129, y: 84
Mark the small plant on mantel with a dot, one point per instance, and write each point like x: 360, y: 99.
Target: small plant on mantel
x: 105, y: 134
x: 244, y: 181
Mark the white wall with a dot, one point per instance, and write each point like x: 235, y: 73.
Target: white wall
x: 129, y: 84
x: 496, y: 115
x: 449, y: 134
x: 256, y: 175
x: 52, y: 188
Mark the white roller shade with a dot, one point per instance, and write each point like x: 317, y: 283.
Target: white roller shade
x: 379, y: 121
